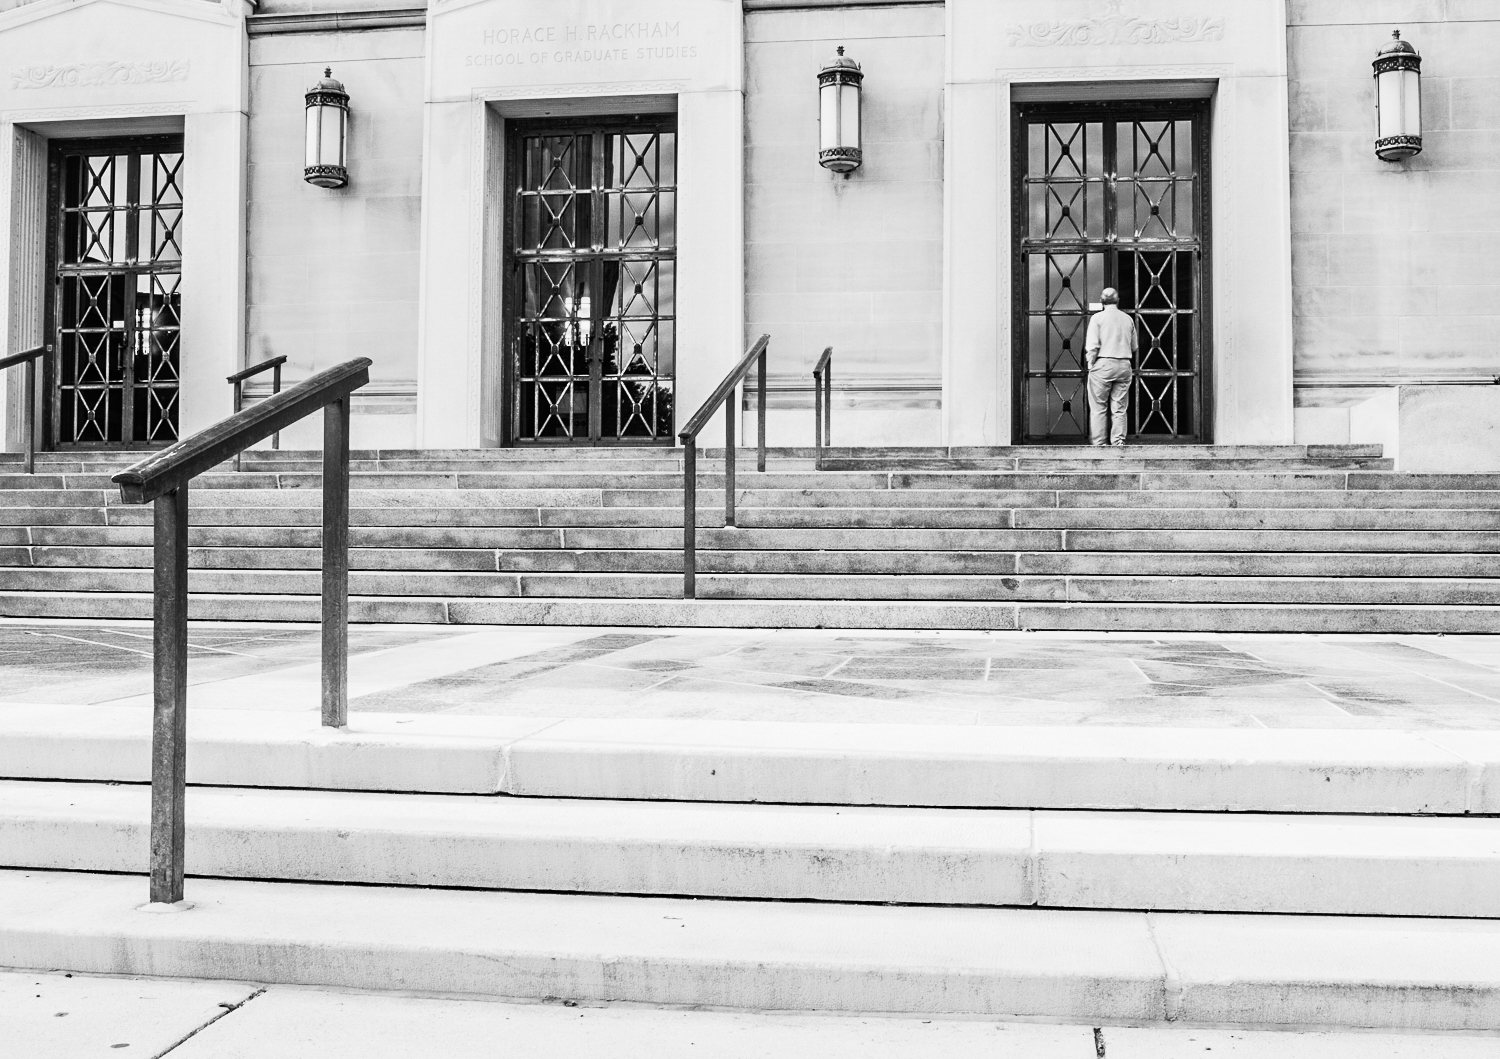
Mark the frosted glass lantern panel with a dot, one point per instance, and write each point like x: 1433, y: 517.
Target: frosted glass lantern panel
x: 1400, y: 103
x: 333, y: 135
x: 1411, y: 96
x: 828, y: 117
x: 849, y: 105
x: 314, y: 135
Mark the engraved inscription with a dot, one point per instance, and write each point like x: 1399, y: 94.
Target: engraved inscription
x: 585, y: 43
x: 99, y: 74
x: 1115, y: 28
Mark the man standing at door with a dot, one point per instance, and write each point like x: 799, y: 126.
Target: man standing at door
x: 1110, y: 346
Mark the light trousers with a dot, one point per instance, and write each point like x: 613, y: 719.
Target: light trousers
x: 1109, y: 397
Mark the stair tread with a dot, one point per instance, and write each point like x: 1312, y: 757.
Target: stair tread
x: 993, y: 857
x: 1416, y: 973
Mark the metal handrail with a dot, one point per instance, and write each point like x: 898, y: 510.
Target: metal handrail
x: 28, y: 415
x: 237, y: 380
x: 163, y: 477
x: 823, y: 405
x: 723, y: 394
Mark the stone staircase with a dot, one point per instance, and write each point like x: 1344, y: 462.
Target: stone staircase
x: 1233, y: 538
x: 1264, y: 877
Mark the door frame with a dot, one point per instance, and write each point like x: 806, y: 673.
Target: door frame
x: 52, y: 394
x: 513, y: 282
x: 1200, y: 111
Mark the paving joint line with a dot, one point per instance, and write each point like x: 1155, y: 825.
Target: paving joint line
x: 229, y: 1009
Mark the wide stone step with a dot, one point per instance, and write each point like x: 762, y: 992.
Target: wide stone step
x: 775, y: 479
x: 787, y: 613
x: 1134, y: 462
x: 1337, y: 865
x: 793, y: 517
x: 1090, y: 966
x: 752, y: 517
x: 1201, y: 770
x: 661, y: 561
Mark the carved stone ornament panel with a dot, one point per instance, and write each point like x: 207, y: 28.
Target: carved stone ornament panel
x: 99, y: 74
x: 1113, y: 27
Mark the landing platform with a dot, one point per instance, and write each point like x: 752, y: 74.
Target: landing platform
x: 940, y: 678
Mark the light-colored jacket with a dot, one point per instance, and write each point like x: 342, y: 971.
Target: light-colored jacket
x: 1111, y: 335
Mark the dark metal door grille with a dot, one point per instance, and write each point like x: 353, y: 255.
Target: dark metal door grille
x: 593, y: 283
x: 1111, y: 195
x: 116, y: 257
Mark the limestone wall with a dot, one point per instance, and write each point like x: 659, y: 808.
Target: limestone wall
x: 333, y: 274
x: 856, y: 263
x: 1395, y: 269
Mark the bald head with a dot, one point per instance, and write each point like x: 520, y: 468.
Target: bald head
x: 1110, y: 296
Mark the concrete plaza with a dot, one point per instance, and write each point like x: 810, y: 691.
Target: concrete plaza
x: 947, y: 678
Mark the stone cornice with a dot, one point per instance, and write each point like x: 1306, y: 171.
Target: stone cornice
x: 336, y: 21
x: 808, y: 5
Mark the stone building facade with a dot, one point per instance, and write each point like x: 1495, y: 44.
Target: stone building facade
x: 566, y: 219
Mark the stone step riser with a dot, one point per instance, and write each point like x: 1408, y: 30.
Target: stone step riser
x: 1188, y: 770
x: 1310, y: 590
x: 1083, y: 967
x: 867, y: 499
x: 750, y: 517
x: 1068, y: 466
x: 1162, y: 862
x: 776, y: 539
x: 601, y: 561
x: 775, y: 479
x: 1405, y: 619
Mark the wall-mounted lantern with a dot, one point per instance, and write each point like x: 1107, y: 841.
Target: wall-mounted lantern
x: 838, y: 114
x: 1398, y: 100
x: 327, y: 133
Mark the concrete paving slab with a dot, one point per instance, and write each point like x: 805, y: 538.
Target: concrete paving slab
x: 1080, y: 767
x: 886, y: 676
x: 923, y: 856
x: 299, y: 687
x: 259, y: 748
x: 1303, y: 863
x: 1482, y: 750
x: 1321, y: 970
x: 732, y: 954
x: 1155, y: 1042
x: 1252, y: 862
x: 313, y: 1024
x: 1085, y: 766
x: 52, y: 1015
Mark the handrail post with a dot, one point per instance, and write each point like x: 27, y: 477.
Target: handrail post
x: 28, y: 421
x: 275, y: 389
x: 760, y: 426
x: 169, y: 708
x: 239, y: 403
x: 729, y: 411
x: 822, y: 406
x: 828, y: 404
x: 336, y: 563
x: 689, y: 517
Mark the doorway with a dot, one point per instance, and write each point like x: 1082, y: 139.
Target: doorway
x: 1112, y: 194
x: 114, y: 310
x: 590, y: 302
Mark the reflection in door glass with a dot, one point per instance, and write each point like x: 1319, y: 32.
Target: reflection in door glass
x: 592, y: 337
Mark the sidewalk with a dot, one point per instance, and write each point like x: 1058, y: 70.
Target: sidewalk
x: 56, y: 1016
x: 958, y: 678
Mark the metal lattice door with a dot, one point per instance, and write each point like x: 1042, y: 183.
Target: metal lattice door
x: 592, y: 295
x: 1112, y: 195
x: 116, y: 263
